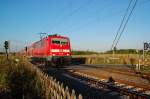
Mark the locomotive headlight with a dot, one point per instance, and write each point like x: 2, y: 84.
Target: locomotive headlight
x: 66, y: 50
x: 55, y: 50
x: 53, y: 54
x: 67, y: 54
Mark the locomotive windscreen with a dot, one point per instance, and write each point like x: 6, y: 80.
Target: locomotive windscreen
x: 59, y: 41
x: 56, y: 41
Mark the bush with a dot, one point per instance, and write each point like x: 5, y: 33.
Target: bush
x: 23, y: 83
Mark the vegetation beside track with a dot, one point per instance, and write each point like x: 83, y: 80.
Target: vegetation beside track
x: 23, y: 80
x: 124, y: 59
x: 16, y: 82
x: 117, y: 51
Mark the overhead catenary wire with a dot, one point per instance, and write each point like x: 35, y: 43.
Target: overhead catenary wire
x: 62, y: 10
x: 128, y: 18
x: 70, y: 14
x: 91, y: 21
x: 86, y: 24
x: 125, y: 15
x: 124, y: 22
x: 146, y: 1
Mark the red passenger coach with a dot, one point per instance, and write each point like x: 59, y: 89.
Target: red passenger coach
x: 52, y: 50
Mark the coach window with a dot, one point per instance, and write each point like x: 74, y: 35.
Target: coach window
x: 56, y: 41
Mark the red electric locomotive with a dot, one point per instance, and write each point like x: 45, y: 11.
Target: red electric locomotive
x: 52, y: 50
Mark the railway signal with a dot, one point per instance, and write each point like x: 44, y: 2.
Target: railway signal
x: 26, y: 49
x: 6, y: 45
x: 146, y: 46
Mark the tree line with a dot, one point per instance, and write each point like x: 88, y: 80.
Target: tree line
x: 117, y: 51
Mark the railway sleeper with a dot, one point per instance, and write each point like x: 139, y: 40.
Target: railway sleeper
x: 131, y: 91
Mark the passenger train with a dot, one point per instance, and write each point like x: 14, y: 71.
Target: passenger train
x: 53, y: 50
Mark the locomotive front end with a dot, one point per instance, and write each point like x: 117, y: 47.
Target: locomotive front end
x: 60, y: 50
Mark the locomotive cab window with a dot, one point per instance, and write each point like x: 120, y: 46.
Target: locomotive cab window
x: 59, y: 41
x: 64, y: 41
x: 55, y: 41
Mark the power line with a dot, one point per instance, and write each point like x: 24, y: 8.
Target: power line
x: 91, y: 21
x: 124, y: 22
x: 146, y: 1
x: 62, y: 10
x: 126, y: 12
x: 70, y: 14
x: 94, y: 19
x: 127, y: 21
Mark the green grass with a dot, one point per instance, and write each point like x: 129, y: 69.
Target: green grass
x: 3, y: 81
x: 130, y: 59
x: 109, y: 59
x: 17, y: 82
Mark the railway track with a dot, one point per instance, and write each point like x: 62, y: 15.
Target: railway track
x: 127, y: 91
x: 80, y: 85
x: 129, y: 72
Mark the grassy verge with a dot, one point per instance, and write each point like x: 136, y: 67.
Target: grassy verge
x: 126, y: 59
x: 16, y: 82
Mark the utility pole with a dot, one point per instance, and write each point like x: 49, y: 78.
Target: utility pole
x: 114, y: 50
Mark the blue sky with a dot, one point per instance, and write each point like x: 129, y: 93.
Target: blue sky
x: 90, y: 24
